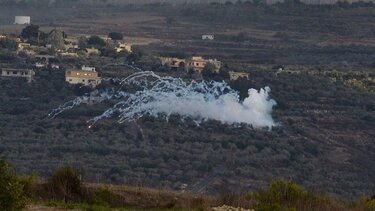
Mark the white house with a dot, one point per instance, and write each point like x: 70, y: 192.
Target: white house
x: 22, y: 20
x: 86, y: 76
x: 18, y: 73
x: 208, y: 37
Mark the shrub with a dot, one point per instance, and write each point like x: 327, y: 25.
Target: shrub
x: 65, y: 184
x: 115, y: 35
x: 370, y: 205
x: 12, y: 196
x: 96, y: 41
x: 286, y: 195
x: 104, y: 196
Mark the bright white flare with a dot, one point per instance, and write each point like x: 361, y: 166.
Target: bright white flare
x: 157, y: 96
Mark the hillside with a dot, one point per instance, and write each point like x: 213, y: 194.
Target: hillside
x: 325, y: 100
x: 323, y: 125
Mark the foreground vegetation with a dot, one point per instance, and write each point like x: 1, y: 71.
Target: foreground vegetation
x: 65, y: 189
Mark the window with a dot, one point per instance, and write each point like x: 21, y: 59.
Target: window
x: 77, y: 73
x: 70, y: 79
x: 8, y: 72
x: 83, y: 80
x: 14, y: 72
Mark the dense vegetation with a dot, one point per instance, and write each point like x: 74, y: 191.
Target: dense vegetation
x: 66, y: 189
x: 206, y: 157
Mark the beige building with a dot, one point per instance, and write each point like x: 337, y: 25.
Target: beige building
x: 92, y: 51
x: 85, y: 77
x: 18, y: 73
x: 197, y: 63
x: 123, y: 47
x: 23, y: 46
x: 237, y: 75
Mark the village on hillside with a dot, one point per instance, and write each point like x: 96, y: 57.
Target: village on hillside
x: 35, y: 51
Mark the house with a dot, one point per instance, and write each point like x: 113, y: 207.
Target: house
x: 208, y: 37
x: 18, y: 73
x: 92, y: 51
x: 87, y: 68
x: 68, y: 54
x: 173, y: 63
x: 237, y: 75
x: 197, y: 63
x: 71, y: 46
x: 55, y: 66
x: 2, y: 37
x: 86, y: 76
x: 23, y: 46
x: 22, y: 20
x: 43, y: 60
x: 40, y: 65
x: 123, y: 47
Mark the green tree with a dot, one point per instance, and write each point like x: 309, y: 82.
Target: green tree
x: 66, y: 184
x: 30, y: 31
x: 96, y: 41
x: 115, y: 35
x: 209, y: 70
x: 56, y: 39
x: 8, y: 44
x: 12, y: 196
x: 82, y: 42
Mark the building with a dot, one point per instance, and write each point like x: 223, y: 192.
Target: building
x: 208, y: 37
x: 123, y: 47
x: 92, y: 51
x: 68, y: 54
x: 197, y: 63
x: 55, y: 66
x: 23, y: 46
x: 87, y: 68
x: 42, y: 61
x: 22, y: 20
x: 237, y: 75
x: 3, y: 37
x: 18, y: 73
x: 84, y: 76
x: 173, y: 63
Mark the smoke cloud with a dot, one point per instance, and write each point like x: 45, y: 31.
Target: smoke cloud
x: 157, y: 96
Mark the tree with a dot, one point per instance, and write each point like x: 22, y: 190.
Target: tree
x: 66, y: 183
x: 56, y: 39
x: 31, y: 31
x: 96, y: 41
x: 208, y: 71
x: 82, y: 42
x: 115, y: 35
x: 12, y: 196
x: 8, y: 44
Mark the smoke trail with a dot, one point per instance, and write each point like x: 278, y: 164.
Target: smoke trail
x: 145, y: 93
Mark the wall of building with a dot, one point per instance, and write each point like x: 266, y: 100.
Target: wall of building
x: 22, y: 20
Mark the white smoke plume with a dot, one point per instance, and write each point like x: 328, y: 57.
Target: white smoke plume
x: 145, y: 93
